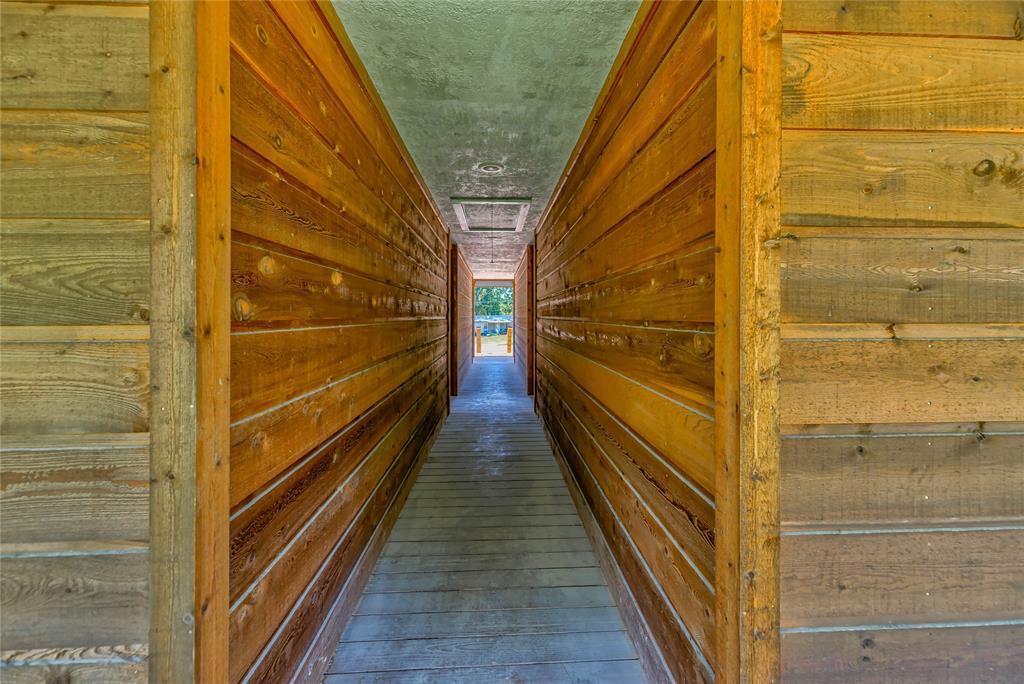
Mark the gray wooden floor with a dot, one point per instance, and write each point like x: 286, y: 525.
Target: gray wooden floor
x: 488, y: 575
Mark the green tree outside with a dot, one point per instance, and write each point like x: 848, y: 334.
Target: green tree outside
x: 494, y: 301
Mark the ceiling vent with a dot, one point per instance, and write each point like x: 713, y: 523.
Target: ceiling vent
x: 491, y: 214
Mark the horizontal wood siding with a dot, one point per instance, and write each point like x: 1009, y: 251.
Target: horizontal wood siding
x: 75, y: 368
x: 625, y: 330
x: 524, y: 327
x: 902, y: 377
x: 461, y: 318
x: 339, y: 338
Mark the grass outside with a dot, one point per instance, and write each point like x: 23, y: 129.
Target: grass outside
x: 495, y: 345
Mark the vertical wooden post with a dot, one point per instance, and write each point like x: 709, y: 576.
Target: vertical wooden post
x: 213, y: 336
x: 479, y: 341
x: 453, y: 322
x: 747, y: 226
x: 508, y: 342
x: 190, y: 205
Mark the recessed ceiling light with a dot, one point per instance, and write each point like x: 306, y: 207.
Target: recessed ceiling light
x: 490, y: 167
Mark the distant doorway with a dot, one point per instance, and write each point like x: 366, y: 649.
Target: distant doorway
x: 492, y: 321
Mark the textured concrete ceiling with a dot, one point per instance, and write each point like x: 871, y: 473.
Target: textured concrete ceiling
x: 473, y: 82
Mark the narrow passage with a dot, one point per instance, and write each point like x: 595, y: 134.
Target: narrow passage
x: 488, y: 575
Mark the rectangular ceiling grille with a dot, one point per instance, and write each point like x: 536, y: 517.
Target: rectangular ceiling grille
x: 491, y: 214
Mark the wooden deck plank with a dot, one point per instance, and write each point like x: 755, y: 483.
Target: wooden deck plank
x: 484, y: 579
x: 485, y: 534
x: 517, y: 649
x: 469, y: 521
x: 552, y: 673
x: 444, y: 548
x: 482, y: 623
x: 487, y: 561
x: 488, y: 574
x: 461, y: 507
x: 497, y: 599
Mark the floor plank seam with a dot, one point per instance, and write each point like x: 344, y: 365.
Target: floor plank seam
x: 488, y: 567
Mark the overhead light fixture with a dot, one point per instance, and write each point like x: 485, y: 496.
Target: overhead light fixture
x: 490, y: 167
x: 491, y: 214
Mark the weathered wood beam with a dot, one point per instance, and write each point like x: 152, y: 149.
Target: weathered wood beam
x: 190, y: 199
x: 747, y: 340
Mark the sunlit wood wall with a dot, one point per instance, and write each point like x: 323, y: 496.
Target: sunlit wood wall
x: 75, y: 362
x: 339, y: 347
x: 625, y: 330
x: 461, y: 318
x: 902, y: 393
x: 524, y: 329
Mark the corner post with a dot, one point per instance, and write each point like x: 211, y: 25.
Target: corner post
x: 190, y: 255
x: 748, y: 213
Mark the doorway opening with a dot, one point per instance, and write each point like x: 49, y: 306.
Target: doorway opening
x: 493, y: 319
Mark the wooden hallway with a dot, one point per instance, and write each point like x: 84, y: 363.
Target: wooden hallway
x: 488, y: 574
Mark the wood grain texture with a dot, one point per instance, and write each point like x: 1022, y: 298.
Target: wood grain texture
x: 273, y: 289
x: 101, y: 387
x: 915, y: 656
x: 652, y: 663
x: 446, y: 597
x: 682, y: 436
x: 462, y: 299
x: 850, y: 480
x: 897, y: 178
x: 213, y: 325
x: 261, y: 38
x: 681, y: 212
x: 261, y: 530
x: 682, y: 71
x: 257, y: 613
x: 902, y: 280
x: 319, y: 654
x: 681, y: 575
x: 684, y: 139
x: 525, y: 324
x: 969, y: 18
x: 336, y: 59
x: 272, y: 367
x: 901, y: 381
x: 842, y: 82
x: 75, y: 371
x: 684, y: 509
x: 265, y: 445
x: 339, y: 339
x: 747, y: 212
x: 75, y: 272
x: 90, y: 671
x: 674, y: 362
x: 965, y: 574
x: 625, y: 264
x: 74, y: 488
x: 267, y: 125
x: 75, y: 56
x: 901, y: 500
x: 676, y: 659
x: 270, y: 206
x: 676, y: 291
x: 657, y: 25
x: 73, y: 601
x: 68, y: 164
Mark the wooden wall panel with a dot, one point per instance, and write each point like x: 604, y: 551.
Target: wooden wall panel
x: 461, y: 318
x: 625, y: 322
x: 902, y: 381
x: 525, y: 325
x: 339, y: 347
x: 75, y: 366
